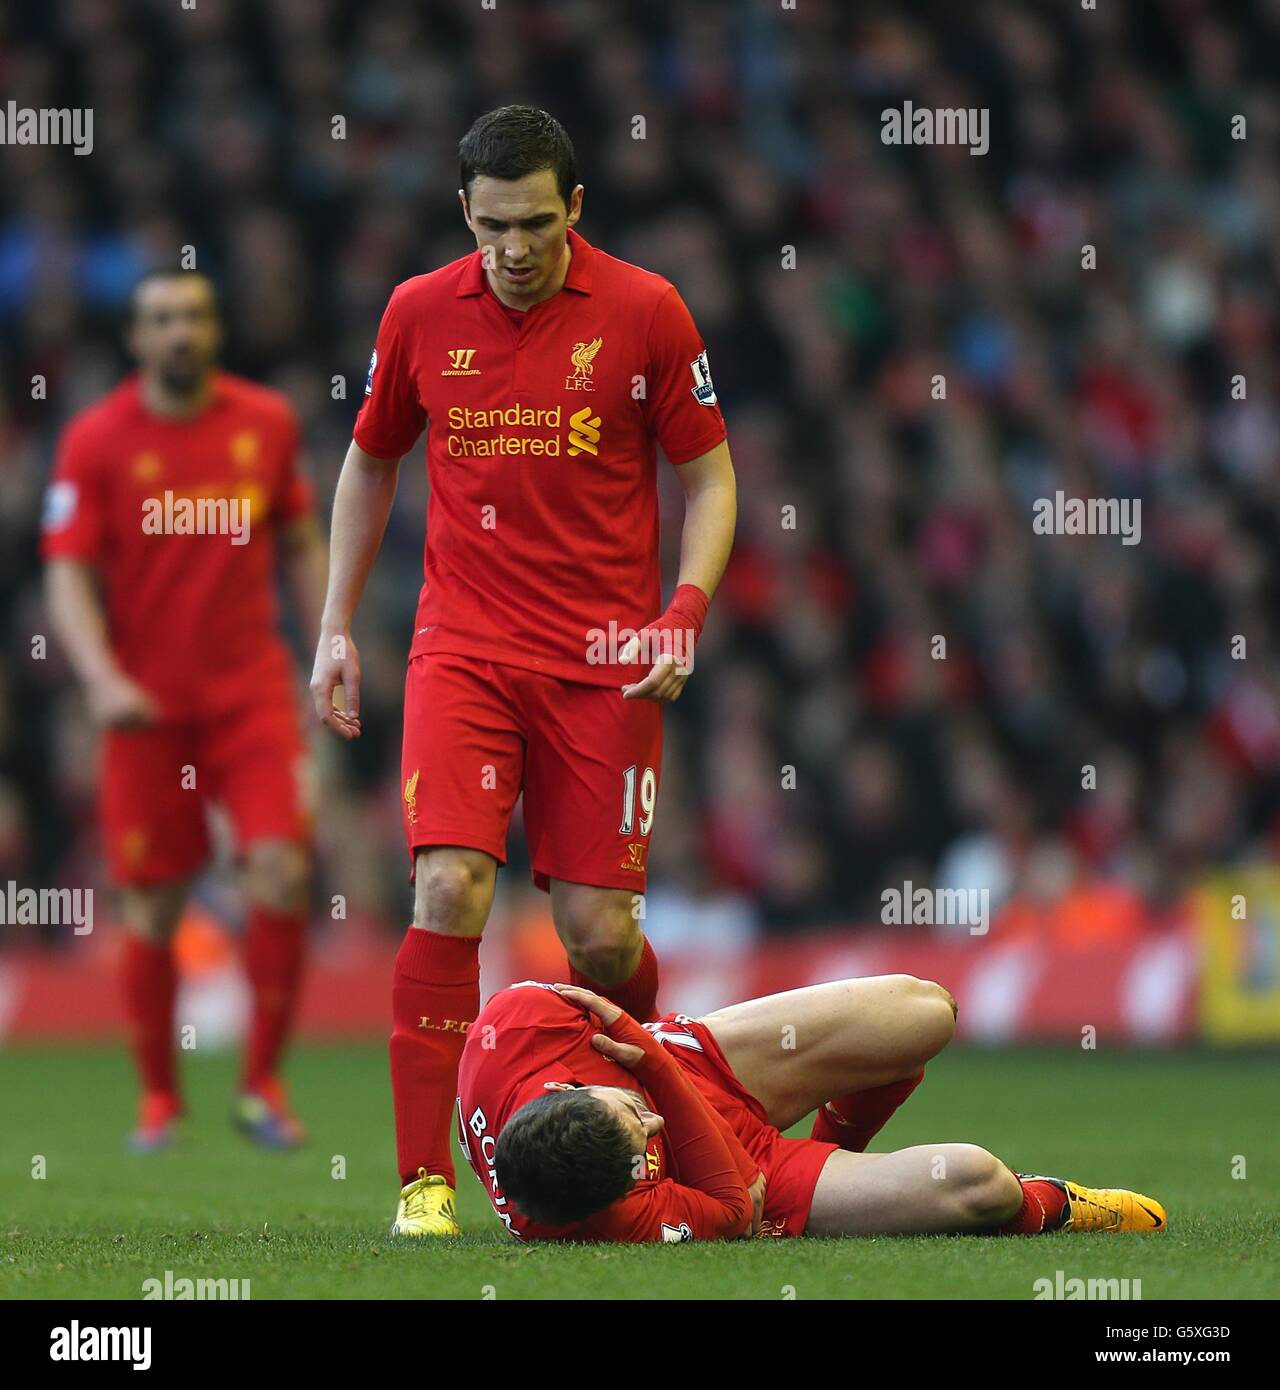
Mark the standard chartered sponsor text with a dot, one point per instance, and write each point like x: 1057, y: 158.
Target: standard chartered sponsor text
x: 525, y: 417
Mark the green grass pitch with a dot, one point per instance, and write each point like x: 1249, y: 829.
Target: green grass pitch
x: 101, y: 1222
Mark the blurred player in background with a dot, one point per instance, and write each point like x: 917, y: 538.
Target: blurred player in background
x: 171, y: 502
x: 567, y: 1147
x: 548, y: 373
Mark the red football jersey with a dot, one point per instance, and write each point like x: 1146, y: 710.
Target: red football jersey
x: 527, y: 1036
x: 192, y: 616
x: 542, y: 427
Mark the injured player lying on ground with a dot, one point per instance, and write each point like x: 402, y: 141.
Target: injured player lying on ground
x: 584, y: 1125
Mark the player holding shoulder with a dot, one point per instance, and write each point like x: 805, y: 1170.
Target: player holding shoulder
x: 583, y: 1125
x: 172, y: 500
x: 546, y: 373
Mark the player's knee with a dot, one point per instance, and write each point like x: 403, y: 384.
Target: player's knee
x: 986, y: 1192
x: 453, y: 892
x: 602, y: 945
x: 153, y: 913
x: 932, y: 1015
x: 278, y: 876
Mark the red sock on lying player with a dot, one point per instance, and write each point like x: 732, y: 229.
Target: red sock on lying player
x: 857, y: 1118
x: 1044, y: 1208
x: 854, y: 1120
x: 637, y: 995
x: 435, y: 995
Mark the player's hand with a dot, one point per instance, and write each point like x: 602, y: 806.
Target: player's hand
x: 663, y: 683
x: 757, y: 1204
x: 668, y: 642
x: 604, y: 1009
x: 626, y: 1054
x: 117, y: 702
x: 667, y: 676
x: 337, y: 664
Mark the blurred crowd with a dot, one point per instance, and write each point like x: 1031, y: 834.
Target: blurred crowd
x: 936, y: 351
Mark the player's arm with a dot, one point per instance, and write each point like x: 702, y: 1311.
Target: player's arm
x: 75, y: 543
x: 710, y: 518
x: 80, y: 624
x: 748, y: 1168
x: 302, y: 558
x: 361, y: 507
x: 712, y: 1200
x: 391, y: 418
x: 687, y: 423
x: 300, y: 542
x: 649, y: 1208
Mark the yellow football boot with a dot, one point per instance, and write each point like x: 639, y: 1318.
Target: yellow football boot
x: 1111, y: 1209
x: 426, y: 1208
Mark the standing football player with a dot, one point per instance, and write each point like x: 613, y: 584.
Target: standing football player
x: 547, y: 372
x: 171, y: 502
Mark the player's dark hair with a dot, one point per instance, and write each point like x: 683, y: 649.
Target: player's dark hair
x: 513, y: 141
x: 166, y: 273
x: 563, y: 1157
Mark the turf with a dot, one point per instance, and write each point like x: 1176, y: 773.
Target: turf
x: 101, y: 1222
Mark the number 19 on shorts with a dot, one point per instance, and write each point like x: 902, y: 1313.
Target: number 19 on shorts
x: 648, y: 797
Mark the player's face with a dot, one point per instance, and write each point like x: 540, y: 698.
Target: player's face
x: 520, y: 224
x: 175, y: 333
x: 640, y: 1123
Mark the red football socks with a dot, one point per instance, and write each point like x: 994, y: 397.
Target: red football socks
x: 637, y: 996
x: 860, y: 1116
x: 150, y: 981
x: 274, y: 949
x: 434, y: 998
x: 1043, y: 1209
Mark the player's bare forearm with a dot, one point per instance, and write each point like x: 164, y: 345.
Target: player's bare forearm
x: 710, y: 518
x: 76, y: 612
x: 75, y: 609
x: 361, y: 506
x: 304, y: 561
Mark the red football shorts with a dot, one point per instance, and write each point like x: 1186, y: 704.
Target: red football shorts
x: 790, y: 1166
x: 477, y: 734
x: 252, y: 764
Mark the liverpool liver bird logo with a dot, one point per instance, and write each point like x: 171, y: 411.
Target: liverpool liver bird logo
x: 582, y: 357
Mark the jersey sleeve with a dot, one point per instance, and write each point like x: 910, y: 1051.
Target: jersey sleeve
x: 294, y: 495
x: 392, y: 417
x: 748, y: 1168
x: 662, y: 1212
x: 73, y: 522
x: 680, y: 399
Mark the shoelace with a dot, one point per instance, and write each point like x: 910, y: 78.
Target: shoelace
x: 415, y: 1204
x: 1110, y: 1212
